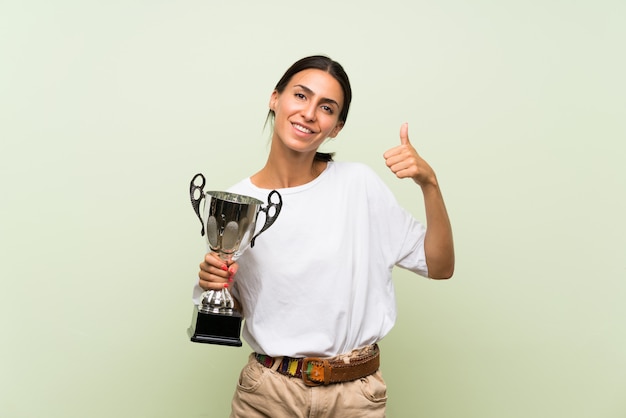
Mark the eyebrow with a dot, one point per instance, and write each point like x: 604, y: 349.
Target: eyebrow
x: 323, y: 100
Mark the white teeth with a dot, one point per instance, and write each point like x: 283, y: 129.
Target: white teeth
x: 302, y: 129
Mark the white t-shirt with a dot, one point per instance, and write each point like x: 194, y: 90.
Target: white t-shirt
x: 318, y: 281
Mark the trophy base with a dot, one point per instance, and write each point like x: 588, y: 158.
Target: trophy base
x: 212, y: 328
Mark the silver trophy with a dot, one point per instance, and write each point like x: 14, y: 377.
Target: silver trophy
x: 228, y: 224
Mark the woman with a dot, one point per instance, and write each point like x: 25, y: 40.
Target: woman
x: 316, y: 290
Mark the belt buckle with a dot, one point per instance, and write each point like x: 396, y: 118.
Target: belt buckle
x: 319, y: 372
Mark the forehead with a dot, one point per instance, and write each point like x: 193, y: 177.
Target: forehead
x: 320, y: 82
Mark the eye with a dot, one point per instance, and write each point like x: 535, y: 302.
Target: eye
x: 300, y: 96
x: 328, y: 109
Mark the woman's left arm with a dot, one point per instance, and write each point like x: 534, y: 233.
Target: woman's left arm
x: 405, y: 162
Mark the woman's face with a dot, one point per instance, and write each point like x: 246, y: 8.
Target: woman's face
x: 307, y: 111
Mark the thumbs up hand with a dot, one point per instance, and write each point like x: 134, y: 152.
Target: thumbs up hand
x: 404, y: 161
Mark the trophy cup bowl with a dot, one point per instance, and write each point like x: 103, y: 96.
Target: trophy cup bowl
x: 228, y: 224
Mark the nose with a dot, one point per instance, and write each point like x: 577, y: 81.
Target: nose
x: 308, y: 111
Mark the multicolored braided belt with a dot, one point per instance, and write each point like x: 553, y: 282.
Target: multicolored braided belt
x: 316, y: 371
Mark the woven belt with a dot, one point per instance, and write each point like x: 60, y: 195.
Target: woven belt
x: 316, y: 371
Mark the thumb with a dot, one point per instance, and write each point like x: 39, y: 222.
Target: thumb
x: 404, y: 134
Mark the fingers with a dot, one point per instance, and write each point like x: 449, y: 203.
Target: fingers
x: 215, y: 273
x: 405, y: 162
x: 404, y: 134
x: 402, y: 157
x: 405, y: 144
x: 404, y: 167
x: 232, y: 269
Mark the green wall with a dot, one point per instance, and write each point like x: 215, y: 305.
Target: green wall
x: 107, y: 109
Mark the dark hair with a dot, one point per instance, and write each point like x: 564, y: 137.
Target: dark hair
x: 319, y: 62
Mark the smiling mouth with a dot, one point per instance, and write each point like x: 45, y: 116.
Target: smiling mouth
x: 302, y: 128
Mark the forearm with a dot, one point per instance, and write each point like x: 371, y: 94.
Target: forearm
x: 438, y: 243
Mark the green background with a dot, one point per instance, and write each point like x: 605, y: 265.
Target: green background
x: 108, y: 108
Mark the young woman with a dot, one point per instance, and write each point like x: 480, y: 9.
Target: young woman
x: 316, y: 290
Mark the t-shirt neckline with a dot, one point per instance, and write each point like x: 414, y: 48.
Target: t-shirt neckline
x: 296, y: 189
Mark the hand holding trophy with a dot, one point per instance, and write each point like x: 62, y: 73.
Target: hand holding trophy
x: 228, y: 224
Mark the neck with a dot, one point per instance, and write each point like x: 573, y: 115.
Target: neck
x: 288, y: 169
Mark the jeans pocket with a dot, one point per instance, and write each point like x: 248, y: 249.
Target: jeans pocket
x: 374, y: 388
x: 251, y: 377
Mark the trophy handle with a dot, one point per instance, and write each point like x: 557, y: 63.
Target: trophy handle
x: 196, y: 193
x: 269, y: 219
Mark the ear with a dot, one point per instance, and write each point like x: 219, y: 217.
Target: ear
x: 273, y: 100
x: 336, y: 130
